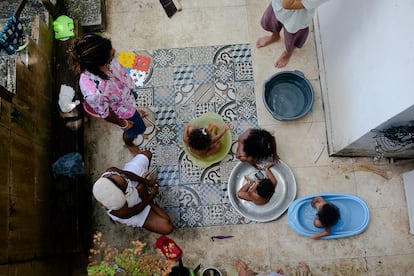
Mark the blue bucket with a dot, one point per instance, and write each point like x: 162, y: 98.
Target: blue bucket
x: 288, y: 95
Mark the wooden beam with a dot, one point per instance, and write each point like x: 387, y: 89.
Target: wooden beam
x: 6, y: 94
x: 50, y: 7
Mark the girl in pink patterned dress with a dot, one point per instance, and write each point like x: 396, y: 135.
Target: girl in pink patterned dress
x: 106, y: 86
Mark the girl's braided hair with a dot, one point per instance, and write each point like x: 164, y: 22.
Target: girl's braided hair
x: 260, y: 144
x: 89, y: 53
x: 199, y: 139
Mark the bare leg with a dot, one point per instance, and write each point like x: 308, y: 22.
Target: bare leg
x: 158, y: 224
x: 283, y: 59
x: 242, y: 268
x: 160, y: 211
x: 129, y: 142
x: 215, y: 148
x: 142, y: 113
x: 266, y: 40
x: 303, y: 269
x: 134, y: 150
x: 280, y: 271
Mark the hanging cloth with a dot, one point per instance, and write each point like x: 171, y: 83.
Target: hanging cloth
x: 12, y: 34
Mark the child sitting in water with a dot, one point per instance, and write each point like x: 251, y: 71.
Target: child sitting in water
x: 259, y: 191
x: 204, y: 142
x: 255, y: 146
x: 327, y: 216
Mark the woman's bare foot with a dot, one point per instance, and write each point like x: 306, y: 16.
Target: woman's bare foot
x: 242, y: 268
x: 303, y: 269
x: 283, y: 59
x: 266, y: 40
x: 142, y: 113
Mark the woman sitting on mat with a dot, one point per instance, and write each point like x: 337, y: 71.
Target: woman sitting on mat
x: 203, y: 142
x: 128, y: 196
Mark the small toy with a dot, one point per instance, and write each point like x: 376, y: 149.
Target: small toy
x: 63, y: 27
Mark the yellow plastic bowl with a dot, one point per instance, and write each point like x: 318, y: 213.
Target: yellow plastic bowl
x: 203, y: 121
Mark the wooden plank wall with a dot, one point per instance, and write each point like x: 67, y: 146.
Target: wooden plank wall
x: 40, y: 225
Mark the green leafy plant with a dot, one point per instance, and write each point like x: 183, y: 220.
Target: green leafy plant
x: 101, y: 269
x: 106, y: 260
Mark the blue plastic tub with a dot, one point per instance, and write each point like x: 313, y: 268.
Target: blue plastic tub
x: 288, y: 95
x: 354, y: 215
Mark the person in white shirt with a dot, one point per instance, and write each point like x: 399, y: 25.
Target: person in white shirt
x: 294, y: 16
x: 128, y: 196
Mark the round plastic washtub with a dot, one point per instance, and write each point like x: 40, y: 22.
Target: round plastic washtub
x: 288, y: 95
x: 203, y: 121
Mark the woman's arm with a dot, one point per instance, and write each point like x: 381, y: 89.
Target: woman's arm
x: 134, y: 177
x: 127, y: 212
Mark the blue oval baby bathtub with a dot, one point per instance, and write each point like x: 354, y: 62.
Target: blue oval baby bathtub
x: 354, y: 215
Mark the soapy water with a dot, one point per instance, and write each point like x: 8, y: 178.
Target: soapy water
x: 287, y: 99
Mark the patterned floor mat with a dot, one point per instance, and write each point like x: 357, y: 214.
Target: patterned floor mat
x: 176, y: 86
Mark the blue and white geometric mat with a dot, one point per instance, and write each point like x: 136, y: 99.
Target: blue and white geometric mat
x: 176, y: 86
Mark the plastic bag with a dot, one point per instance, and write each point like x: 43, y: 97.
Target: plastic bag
x: 70, y: 165
x: 169, y: 248
x: 66, y: 95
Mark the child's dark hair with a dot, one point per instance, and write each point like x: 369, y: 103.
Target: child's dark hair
x: 260, y: 144
x: 89, y: 53
x: 328, y: 215
x: 265, y: 188
x: 199, y: 139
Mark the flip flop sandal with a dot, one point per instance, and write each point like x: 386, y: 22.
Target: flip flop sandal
x: 142, y: 113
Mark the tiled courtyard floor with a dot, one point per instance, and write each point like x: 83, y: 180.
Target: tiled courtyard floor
x: 385, y: 248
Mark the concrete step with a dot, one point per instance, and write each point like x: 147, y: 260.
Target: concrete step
x: 89, y: 13
x: 408, y: 179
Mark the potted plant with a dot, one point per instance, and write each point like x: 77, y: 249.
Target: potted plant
x: 211, y: 271
x: 110, y: 261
